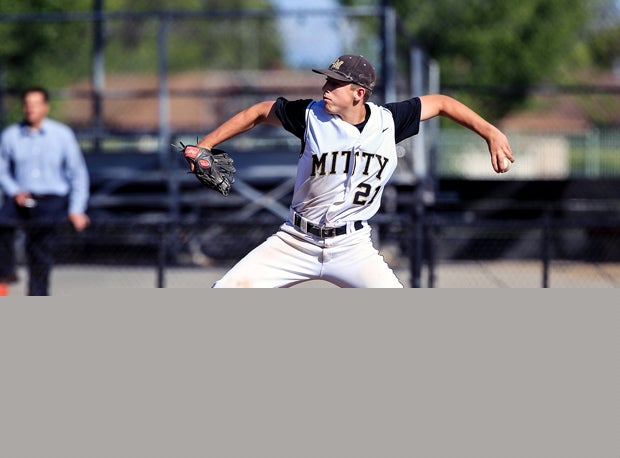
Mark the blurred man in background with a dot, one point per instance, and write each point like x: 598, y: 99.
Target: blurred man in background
x: 44, y: 180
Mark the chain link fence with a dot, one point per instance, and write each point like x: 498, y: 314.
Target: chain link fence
x: 466, y: 255
x: 140, y: 82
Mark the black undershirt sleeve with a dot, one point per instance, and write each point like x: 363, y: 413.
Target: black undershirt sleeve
x: 292, y: 115
x: 406, y: 116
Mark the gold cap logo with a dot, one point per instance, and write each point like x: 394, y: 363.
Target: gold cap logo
x: 336, y: 64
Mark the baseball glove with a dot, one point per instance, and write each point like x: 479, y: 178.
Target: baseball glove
x: 213, y: 168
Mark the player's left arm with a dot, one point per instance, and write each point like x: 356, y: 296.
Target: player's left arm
x: 443, y: 105
x: 261, y: 112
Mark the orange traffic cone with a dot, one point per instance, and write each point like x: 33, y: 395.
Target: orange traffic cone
x: 4, y: 289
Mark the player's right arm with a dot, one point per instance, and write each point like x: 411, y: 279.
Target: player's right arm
x: 259, y: 113
x: 443, y: 105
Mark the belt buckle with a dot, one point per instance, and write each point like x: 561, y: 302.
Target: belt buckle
x: 328, y: 232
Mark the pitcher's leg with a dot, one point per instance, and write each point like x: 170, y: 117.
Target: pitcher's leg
x: 281, y: 261
x: 355, y: 263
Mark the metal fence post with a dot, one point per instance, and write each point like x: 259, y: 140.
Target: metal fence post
x: 98, y: 76
x: 546, y: 248
x: 161, y: 254
x: 417, y: 256
x: 167, y: 163
x: 389, y: 53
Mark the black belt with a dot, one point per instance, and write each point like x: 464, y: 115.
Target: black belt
x: 322, y: 231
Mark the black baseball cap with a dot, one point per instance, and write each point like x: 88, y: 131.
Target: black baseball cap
x: 351, y: 68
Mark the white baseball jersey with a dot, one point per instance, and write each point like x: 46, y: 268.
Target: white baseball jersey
x: 342, y: 172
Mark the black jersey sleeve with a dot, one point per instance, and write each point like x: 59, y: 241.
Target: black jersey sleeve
x: 292, y: 115
x: 406, y: 116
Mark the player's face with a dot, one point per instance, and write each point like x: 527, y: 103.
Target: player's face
x: 35, y: 108
x: 337, y: 95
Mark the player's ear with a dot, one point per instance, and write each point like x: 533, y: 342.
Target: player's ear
x: 358, y: 92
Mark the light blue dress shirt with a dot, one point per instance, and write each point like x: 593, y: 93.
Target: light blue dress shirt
x: 44, y: 161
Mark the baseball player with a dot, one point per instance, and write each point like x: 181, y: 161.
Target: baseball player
x: 347, y: 156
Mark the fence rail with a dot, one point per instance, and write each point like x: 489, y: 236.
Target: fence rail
x: 421, y: 247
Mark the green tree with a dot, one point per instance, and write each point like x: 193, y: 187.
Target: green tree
x: 604, y: 47
x: 217, y: 40
x: 54, y: 50
x: 604, y: 35
x: 499, y: 43
x: 51, y: 42
x: 47, y: 53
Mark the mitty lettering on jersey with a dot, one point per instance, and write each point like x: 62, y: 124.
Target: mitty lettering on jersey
x: 340, y: 161
x: 342, y: 172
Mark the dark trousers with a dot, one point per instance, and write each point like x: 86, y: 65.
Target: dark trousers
x: 40, y: 225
